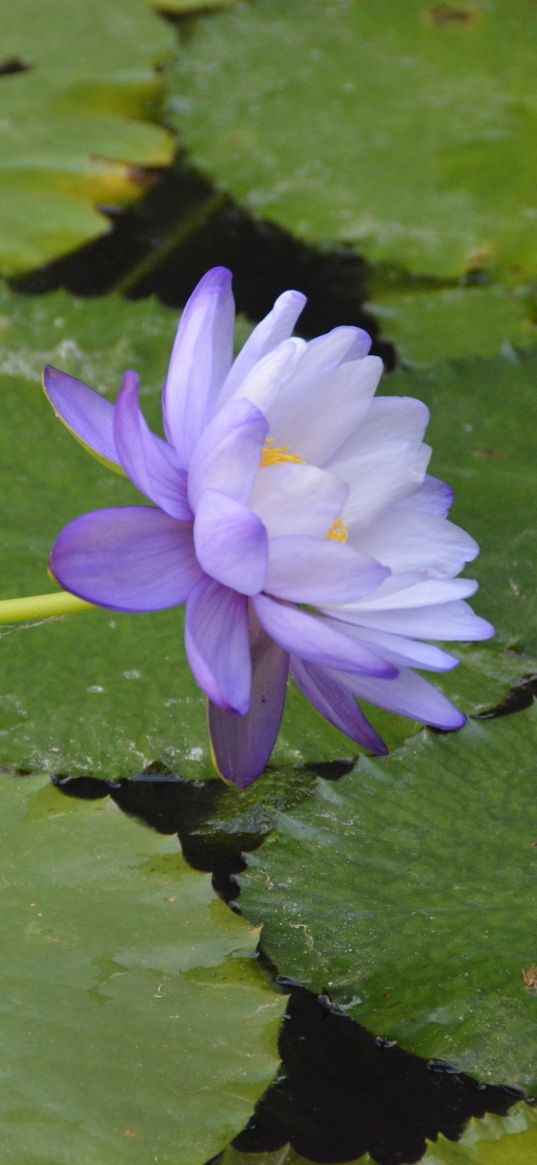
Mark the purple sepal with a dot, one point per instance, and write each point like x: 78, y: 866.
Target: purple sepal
x: 337, y: 704
x: 200, y: 360
x: 231, y: 543
x: 150, y: 463
x: 217, y: 644
x: 312, y: 639
x: 242, y: 744
x: 131, y: 559
x: 88, y: 415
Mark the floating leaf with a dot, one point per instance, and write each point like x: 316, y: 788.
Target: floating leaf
x: 510, y: 1140
x: 421, y: 917
x: 77, y: 120
x: 408, y: 130
x: 427, y: 325
x: 136, y: 1024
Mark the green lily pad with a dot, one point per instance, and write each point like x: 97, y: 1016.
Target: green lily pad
x: 136, y: 1023
x: 78, y: 121
x: 421, y: 917
x: 408, y: 131
x: 510, y: 1140
x: 427, y: 325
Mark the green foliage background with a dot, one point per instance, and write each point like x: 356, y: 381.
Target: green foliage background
x: 403, y: 139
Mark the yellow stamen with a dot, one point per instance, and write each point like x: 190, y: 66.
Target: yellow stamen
x: 273, y: 456
x: 338, y: 532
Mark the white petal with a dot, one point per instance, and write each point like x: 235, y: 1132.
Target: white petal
x: 404, y: 540
x: 299, y: 499
x: 432, y: 497
x: 376, y: 478
x: 269, y: 376
x: 401, y: 592
x: 444, y: 621
x: 315, y: 415
x: 268, y: 334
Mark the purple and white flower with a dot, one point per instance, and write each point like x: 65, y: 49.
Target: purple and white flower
x: 292, y: 513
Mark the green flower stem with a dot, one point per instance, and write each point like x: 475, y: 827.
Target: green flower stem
x: 42, y: 607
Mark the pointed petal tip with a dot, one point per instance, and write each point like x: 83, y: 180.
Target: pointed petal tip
x: 217, y: 278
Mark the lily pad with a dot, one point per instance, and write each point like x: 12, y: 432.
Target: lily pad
x: 510, y: 1140
x: 79, y: 109
x: 421, y: 919
x: 136, y: 1023
x: 407, y: 131
x: 427, y: 324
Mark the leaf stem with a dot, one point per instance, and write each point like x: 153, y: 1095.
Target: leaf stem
x: 42, y: 607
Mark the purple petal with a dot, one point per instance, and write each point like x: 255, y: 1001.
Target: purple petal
x: 275, y: 328
x: 146, y: 459
x: 400, y: 650
x: 228, y: 453
x: 409, y: 695
x: 131, y: 559
x: 336, y: 703
x: 87, y: 414
x: 231, y: 543
x: 200, y: 360
x: 313, y: 570
x: 217, y: 644
x: 242, y: 744
x: 314, y: 640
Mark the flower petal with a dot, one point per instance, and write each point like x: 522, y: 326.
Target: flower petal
x: 270, y: 375
x: 297, y: 499
x: 314, y: 640
x: 242, y: 744
x: 409, y: 695
x: 411, y: 589
x: 399, y: 649
x: 431, y: 497
x: 228, y: 453
x: 303, y: 569
x: 147, y: 460
x: 405, y: 540
x: 217, y: 644
x: 200, y: 361
x: 336, y: 703
x: 132, y: 559
x: 88, y: 415
x: 270, y: 332
x: 340, y: 395
x: 445, y: 621
x: 231, y: 542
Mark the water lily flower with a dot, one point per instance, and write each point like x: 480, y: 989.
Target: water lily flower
x: 291, y: 511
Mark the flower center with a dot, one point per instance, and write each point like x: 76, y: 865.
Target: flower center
x: 274, y: 456
x: 339, y: 532
x: 271, y: 455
